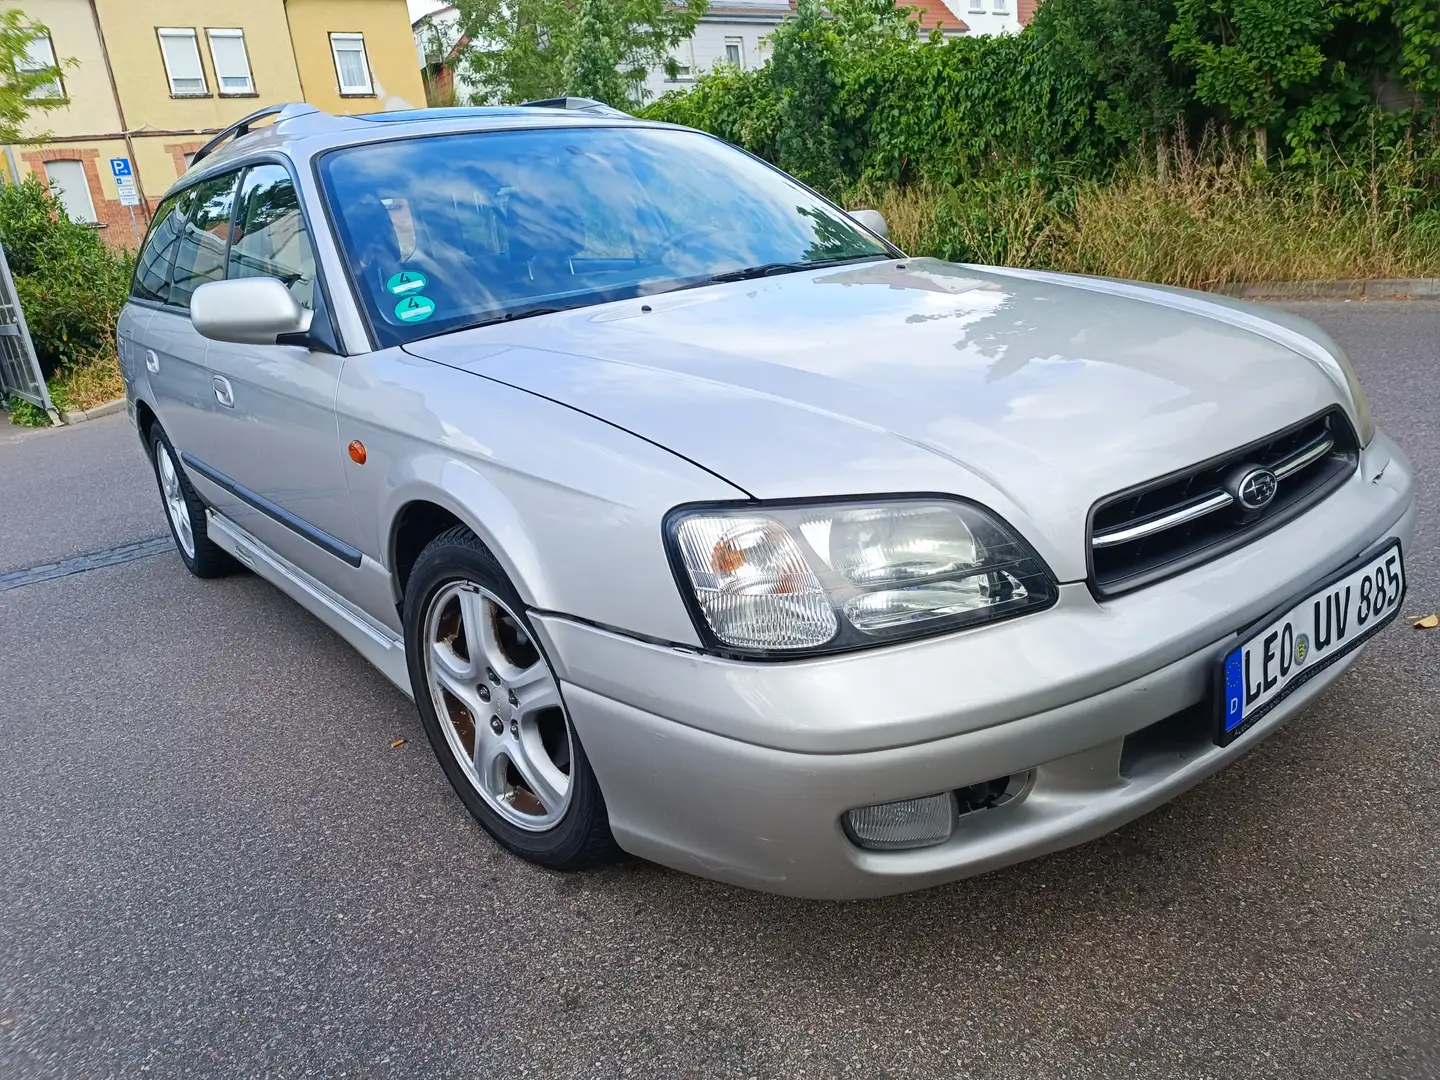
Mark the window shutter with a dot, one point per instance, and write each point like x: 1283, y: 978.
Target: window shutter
x: 182, y: 62
x: 73, y: 189
x: 39, y: 55
x: 232, y: 64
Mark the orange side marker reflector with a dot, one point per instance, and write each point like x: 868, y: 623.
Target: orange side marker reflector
x: 357, y: 452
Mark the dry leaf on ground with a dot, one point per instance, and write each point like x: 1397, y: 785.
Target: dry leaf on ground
x: 1429, y: 622
x: 397, y: 742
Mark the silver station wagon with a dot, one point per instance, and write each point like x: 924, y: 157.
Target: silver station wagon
x: 702, y: 524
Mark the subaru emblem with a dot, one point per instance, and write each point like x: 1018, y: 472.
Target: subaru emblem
x: 1255, y: 488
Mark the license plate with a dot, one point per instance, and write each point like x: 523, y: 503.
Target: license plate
x: 1307, y: 637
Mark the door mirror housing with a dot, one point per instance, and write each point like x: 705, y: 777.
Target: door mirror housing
x: 248, y: 311
x: 874, y: 221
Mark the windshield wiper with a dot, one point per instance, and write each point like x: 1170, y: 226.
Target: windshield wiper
x: 767, y: 269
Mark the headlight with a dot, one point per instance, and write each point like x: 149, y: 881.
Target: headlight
x: 805, y: 577
x: 1363, y: 420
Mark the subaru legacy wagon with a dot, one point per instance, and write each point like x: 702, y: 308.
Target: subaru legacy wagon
x: 702, y: 523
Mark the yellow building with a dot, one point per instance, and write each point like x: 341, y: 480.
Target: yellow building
x: 153, y: 80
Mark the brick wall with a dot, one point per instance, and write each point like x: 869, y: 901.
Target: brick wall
x: 120, y: 228
x: 1025, y: 10
x: 177, y: 152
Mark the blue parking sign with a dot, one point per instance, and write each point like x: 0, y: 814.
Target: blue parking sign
x: 119, y: 167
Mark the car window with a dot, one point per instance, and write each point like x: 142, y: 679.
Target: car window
x: 270, y: 238
x: 157, y: 256
x: 200, y: 249
x: 454, y: 230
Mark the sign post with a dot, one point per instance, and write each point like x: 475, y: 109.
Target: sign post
x: 124, y: 175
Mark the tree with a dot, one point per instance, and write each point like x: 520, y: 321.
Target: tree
x: 520, y: 50
x: 24, y: 86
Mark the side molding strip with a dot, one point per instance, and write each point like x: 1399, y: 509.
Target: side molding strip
x: 298, y: 526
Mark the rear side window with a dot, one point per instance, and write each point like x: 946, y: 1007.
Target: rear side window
x: 270, y: 238
x: 152, y: 267
x: 200, y: 250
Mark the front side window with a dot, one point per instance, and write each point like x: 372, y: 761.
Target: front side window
x: 352, y: 67
x: 157, y: 256
x: 497, y: 225
x: 182, y: 62
x: 232, y: 62
x: 72, y: 188
x: 270, y: 236
x: 40, y: 56
x: 200, y: 251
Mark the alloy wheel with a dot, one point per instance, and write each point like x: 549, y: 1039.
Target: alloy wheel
x: 499, y: 706
x: 174, y: 495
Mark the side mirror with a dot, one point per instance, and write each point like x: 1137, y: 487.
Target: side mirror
x: 247, y: 311
x: 874, y: 221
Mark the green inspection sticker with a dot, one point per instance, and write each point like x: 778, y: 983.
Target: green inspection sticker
x: 414, y: 308
x: 407, y: 281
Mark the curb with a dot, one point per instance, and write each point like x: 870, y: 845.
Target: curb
x: 1344, y: 289
x: 79, y: 416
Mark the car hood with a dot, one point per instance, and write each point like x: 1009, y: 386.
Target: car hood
x: 1036, y: 394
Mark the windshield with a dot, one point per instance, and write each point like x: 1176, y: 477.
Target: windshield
x: 459, y: 230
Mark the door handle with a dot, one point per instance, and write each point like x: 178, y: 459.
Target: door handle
x: 152, y: 362
x: 223, y: 394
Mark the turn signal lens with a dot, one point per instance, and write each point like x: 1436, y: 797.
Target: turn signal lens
x: 753, y: 584
x: 910, y: 823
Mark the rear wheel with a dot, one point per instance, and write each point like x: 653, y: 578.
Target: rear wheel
x: 186, y: 513
x: 492, y: 708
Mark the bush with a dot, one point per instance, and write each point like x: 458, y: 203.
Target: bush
x: 71, y: 286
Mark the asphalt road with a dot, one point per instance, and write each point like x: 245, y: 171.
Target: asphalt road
x: 212, y: 863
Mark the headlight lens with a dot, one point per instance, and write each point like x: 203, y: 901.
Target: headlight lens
x: 822, y: 578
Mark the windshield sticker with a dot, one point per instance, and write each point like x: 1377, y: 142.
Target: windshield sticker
x: 414, y: 308
x: 407, y: 281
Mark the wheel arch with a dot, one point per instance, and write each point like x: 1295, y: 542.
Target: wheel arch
x: 423, y: 511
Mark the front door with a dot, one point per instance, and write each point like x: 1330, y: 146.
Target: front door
x: 274, y: 446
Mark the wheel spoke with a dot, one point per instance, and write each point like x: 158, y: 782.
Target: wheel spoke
x: 479, y: 614
x: 535, y: 689
x: 547, y: 783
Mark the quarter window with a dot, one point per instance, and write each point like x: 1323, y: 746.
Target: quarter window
x: 72, y: 187
x: 152, y: 266
x: 182, y: 62
x: 200, y: 252
x: 352, y: 67
x: 40, y: 56
x: 232, y: 63
x: 270, y: 236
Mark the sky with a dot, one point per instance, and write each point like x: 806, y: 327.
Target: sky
x: 422, y: 7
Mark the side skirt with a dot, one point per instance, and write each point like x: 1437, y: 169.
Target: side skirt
x: 376, y: 643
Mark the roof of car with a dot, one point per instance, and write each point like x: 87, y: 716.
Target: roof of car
x: 300, y: 129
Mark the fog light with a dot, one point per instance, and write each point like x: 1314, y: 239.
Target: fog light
x: 910, y: 823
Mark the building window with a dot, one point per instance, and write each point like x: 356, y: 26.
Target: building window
x: 1001, y: 6
x: 735, y: 51
x: 40, y: 56
x: 190, y: 160
x: 72, y: 188
x: 351, y: 65
x: 182, y: 62
x: 232, y: 63
x: 977, y: 7
x: 684, y: 57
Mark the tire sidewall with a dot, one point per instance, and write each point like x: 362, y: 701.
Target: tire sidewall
x: 159, y: 443
x: 445, y: 563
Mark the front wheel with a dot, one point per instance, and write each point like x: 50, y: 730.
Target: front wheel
x: 492, y: 709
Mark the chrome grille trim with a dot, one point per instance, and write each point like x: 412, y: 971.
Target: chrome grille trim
x: 1164, y: 526
x: 1208, y: 505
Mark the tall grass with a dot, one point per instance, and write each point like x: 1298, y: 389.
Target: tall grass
x: 1201, y: 216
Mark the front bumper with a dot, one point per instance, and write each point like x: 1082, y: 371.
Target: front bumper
x: 742, y: 772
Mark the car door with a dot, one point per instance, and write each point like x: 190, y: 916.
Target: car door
x: 274, y: 446
x: 169, y: 352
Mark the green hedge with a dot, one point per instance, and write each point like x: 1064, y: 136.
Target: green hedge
x: 71, y: 286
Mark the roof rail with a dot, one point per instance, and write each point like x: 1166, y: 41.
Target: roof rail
x: 574, y: 104
x: 243, y: 125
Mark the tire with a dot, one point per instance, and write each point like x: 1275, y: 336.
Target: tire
x: 472, y: 651
x: 185, y: 512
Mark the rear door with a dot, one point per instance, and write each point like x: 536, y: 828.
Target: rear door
x: 169, y: 352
